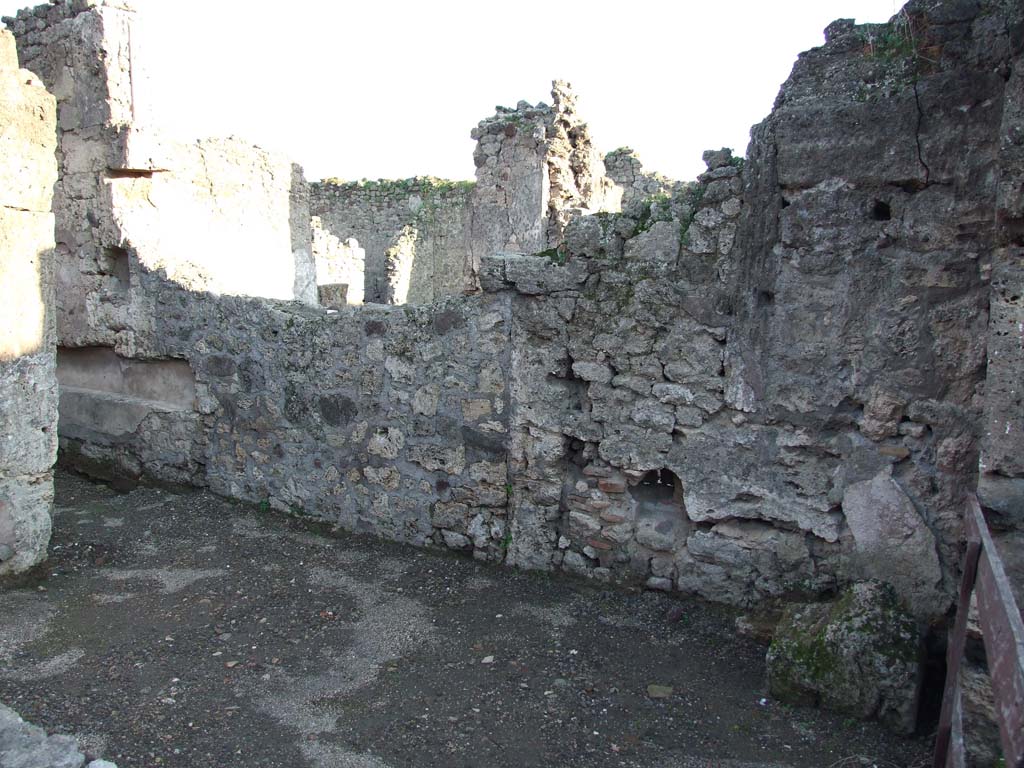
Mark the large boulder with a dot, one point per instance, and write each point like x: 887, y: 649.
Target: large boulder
x: 859, y: 655
x: 893, y: 543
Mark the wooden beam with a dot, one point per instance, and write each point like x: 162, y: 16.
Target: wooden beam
x: 1003, y: 631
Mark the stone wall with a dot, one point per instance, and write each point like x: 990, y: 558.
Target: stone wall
x: 625, y: 169
x: 1001, y: 483
x: 28, y: 385
x: 433, y: 213
x: 216, y: 215
x: 225, y: 207
x: 390, y: 420
x: 862, y: 305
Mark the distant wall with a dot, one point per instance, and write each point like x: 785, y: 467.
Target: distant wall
x: 536, y: 169
x: 28, y: 387
x: 375, y: 213
x: 340, y: 266
x: 625, y: 169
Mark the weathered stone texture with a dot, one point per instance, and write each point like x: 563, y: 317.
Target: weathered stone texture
x: 536, y: 169
x: 623, y: 167
x: 1001, y: 480
x: 385, y: 420
x: 226, y: 210
x: 28, y: 384
x: 861, y: 304
x: 377, y: 214
x: 859, y: 655
x: 23, y: 745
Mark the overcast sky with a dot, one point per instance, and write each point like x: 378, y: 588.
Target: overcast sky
x: 382, y: 88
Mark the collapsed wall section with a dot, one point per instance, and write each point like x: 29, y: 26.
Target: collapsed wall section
x: 536, y: 169
x: 28, y: 385
x: 625, y: 169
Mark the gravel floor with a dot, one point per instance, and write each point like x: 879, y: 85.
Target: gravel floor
x: 186, y: 630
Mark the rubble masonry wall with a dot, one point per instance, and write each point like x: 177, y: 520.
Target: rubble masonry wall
x: 28, y: 385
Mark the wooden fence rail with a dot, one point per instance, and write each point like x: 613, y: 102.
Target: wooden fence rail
x: 1003, y: 632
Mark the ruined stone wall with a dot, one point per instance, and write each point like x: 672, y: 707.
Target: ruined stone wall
x: 765, y: 383
x: 862, y: 305
x: 536, y: 169
x: 28, y: 385
x: 216, y: 215
x: 225, y: 207
x: 625, y: 169
x: 620, y: 434
x: 389, y: 420
x: 430, y: 214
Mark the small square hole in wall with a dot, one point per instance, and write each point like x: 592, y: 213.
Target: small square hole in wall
x: 881, y: 211
x: 117, y: 266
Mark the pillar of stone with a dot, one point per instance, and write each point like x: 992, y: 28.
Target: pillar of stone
x: 536, y: 168
x: 28, y: 383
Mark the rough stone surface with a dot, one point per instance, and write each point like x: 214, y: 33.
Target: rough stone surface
x: 536, y: 169
x: 892, y: 542
x: 980, y: 724
x: 28, y: 384
x: 859, y: 655
x: 431, y: 213
x: 23, y: 745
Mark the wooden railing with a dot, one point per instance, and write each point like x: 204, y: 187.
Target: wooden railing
x: 1003, y: 632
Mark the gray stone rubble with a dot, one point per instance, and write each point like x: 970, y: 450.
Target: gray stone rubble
x: 23, y: 745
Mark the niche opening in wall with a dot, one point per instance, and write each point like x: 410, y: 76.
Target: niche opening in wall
x: 574, y: 387
x: 117, y: 266
x: 659, y: 486
x: 661, y: 521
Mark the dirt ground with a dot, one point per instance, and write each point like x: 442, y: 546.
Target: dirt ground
x: 185, y: 630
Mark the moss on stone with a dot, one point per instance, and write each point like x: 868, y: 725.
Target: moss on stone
x: 858, y: 655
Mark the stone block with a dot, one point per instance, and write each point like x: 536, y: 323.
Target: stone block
x: 893, y: 543
x: 859, y: 656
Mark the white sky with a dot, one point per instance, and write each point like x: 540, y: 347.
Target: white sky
x: 391, y: 89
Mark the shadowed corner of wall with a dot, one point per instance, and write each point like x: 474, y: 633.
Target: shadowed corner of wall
x: 128, y: 415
